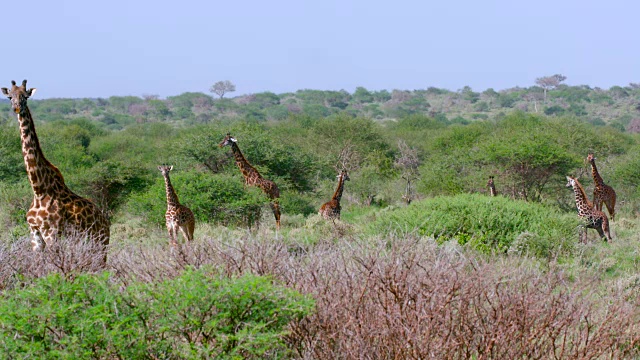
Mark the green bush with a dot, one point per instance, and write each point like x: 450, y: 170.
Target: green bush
x: 201, y: 316
x: 218, y: 198
x: 196, y: 315
x: 486, y: 223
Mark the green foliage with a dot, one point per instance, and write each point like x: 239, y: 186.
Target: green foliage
x: 65, y: 145
x: 109, y: 183
x: 193, y: 316
x: 122, y: 103
x: 15, y: 199
x: 200, y: 315
x: 212, y: 198
x: 58, y: 318
x: 292, y: 202
x: 316, y: 110
x: 189, y: 99
x: 11, y: 161
x: 488, y: 224
x: 530, y: 155
x: 362, y: 95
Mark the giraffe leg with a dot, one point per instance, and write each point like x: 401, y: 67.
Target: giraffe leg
x: 597, y: 203
x: 611, y: 205
x: 275, y: 207
x: 188, y: 235
x: 191, y: 227
x: 37, y: 242
x: 172, y: 235
x: 604, y: 230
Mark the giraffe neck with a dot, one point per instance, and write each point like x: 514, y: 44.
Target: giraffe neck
x: 492, y: 189
x: 172, y: 197
x: 596, y: 175
x: 43, y: 176
x: 338, y: 194
x: 582, y: 202
x: 247, y: 170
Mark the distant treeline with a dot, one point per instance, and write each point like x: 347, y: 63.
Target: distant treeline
x: 617, y: 106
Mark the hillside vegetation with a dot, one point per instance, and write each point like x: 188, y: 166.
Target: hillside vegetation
x: 423, y: 263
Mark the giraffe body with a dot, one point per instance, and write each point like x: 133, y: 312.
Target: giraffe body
x: 602, y: 193
x: 331, y: 209
x: 178, y: 217
x: 595, y: 218
x: 56, y: 210
x: 253, y: 178
x: 492, y: 187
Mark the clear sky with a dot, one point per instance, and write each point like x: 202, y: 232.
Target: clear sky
x: 98, y: 48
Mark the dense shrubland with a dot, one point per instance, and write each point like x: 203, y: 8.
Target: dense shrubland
x: 447, y: 276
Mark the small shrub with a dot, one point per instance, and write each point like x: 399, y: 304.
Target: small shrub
x: 196, y: 315
x: 487, y: 224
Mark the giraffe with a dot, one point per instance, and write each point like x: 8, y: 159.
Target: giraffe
x: 55, y: 211
x: 595, y: 218
x: 602, y: 193
x: 253, y: 178
x: 331, y: 209
x: 492, y: 187
x: 177, y: 216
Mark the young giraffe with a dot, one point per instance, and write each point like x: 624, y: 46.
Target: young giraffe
x: 492, y: 187
x: 595, y: 218
x: 253, y: 178
x: 602, y: 193
x: 178, y: 216
x: 55, y: 210
x: 331, y: 209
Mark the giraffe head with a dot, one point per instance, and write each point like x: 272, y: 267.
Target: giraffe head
x: 591, y: 158
x: 164, y: 169
x: 227, y: 141
x: 18, y: 96
x: 571, y: 181
x: 343, y: 174
x: 490, y: 181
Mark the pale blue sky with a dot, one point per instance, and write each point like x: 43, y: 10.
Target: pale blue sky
x: 87, y: 48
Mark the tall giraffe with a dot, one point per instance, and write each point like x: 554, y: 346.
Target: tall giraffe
x: 492, y: 187
x: 331, y: 209
x: 253, y: 178
x: 55, y: 210
x: 595, y: 218
x: 602, y: 193
x: 177, y: 216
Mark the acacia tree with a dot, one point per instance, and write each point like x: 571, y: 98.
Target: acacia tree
x: 549, y: 83
x: 222, y: 87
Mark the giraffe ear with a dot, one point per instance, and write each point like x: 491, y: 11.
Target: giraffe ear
x: 5, y: 91
x: 159, y: 167
x: 31, y: 91
x: 170, y: 167
x: 233, y: 139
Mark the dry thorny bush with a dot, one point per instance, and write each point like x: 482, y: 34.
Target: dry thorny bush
x: 389, y: 298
